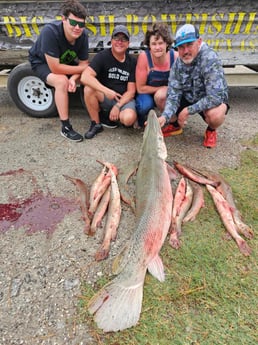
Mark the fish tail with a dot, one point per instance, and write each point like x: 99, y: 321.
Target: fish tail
x: 117, y: 306
x: 243, y: 246
x: 103, y: 252
x: 243, y: 228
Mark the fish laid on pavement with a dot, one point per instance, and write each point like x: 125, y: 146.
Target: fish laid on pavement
x: 192, y: 175
x: 122, y: 179
x: 181, y: 206
x: 101, y: 185
x: 197, y: 203
x: 225, y: 213
x: 99, y: 194
x: 112, y: 221
x: 100, y: 211
x: 97, y: 183
x: 117, y: 305
x: 83, y: 199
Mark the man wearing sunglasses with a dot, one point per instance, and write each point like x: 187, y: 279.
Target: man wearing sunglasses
x: 59, y: 56
x: 110, y: 85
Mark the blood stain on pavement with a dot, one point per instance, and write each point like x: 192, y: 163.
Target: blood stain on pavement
x: 37, y: 213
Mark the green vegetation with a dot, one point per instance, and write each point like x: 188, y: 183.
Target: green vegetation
x: 210, y: 295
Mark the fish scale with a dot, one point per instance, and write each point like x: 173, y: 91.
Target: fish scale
x: 117, y: 305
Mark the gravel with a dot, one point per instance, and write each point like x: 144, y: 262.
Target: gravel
x: 44, y: 263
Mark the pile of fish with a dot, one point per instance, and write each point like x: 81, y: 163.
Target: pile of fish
x: 189, y: 199
x: 158, y: 212
x: 103, y: 197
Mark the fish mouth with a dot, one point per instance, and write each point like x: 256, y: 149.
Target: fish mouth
x: 153, y: 123
x: 153, y: 141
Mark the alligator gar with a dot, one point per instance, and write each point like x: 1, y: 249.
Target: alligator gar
x: 118, y: 304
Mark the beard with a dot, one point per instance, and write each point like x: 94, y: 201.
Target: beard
x: 187, y: 59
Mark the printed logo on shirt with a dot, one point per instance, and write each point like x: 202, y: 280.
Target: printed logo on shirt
x: 118, y: 74
x: 68, y: 56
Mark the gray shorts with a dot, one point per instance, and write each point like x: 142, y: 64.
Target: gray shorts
x: 108, y: 104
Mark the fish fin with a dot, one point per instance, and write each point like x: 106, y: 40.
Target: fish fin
x: 103, y: 252
x: 172, y: 172
x: 116, y: 306
x: 243, y: 247
x: 244, y: 229
x: 156, y: 268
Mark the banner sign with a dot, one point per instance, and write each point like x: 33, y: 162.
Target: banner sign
x: 227, y: 25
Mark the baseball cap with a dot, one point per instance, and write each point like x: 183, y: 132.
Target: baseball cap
x: 187, y: 33
x: 121, y: 29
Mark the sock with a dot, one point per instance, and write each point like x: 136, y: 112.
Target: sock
x: 210, y: 129
x: 66, y: 124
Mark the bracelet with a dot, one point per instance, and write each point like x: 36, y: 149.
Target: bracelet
x: 118, y: 106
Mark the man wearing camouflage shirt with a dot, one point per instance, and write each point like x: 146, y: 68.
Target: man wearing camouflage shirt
x: 196, y: 85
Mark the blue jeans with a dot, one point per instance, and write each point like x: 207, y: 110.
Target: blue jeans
x: 144, y: 103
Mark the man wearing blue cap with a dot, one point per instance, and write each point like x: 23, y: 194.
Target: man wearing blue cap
x: 196, y: 85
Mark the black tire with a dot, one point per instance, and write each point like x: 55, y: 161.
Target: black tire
x: 29, y: 93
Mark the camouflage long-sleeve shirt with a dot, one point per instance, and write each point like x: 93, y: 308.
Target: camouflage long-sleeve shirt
x: 202, y: 83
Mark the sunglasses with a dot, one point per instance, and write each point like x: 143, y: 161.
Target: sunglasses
x: 120, y: 39
x: 74, y: 22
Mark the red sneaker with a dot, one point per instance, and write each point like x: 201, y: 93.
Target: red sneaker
x: 210, y: 139
x: 171, y: 130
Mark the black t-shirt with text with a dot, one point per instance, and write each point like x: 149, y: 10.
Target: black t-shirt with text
x: 113, y: 73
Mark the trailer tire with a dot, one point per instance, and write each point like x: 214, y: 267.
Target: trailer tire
x: 29, y: 93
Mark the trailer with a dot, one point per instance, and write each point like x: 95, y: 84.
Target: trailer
x: 228, y: 26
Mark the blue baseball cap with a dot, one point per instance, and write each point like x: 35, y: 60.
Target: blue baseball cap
x: 187, y: 33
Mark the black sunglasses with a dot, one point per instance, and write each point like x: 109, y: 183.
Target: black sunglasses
x: 74, y: 22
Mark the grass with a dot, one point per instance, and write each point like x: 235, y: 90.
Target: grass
x: 210, y: 295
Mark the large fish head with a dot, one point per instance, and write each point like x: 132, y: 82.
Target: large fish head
x: 153, y: 140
